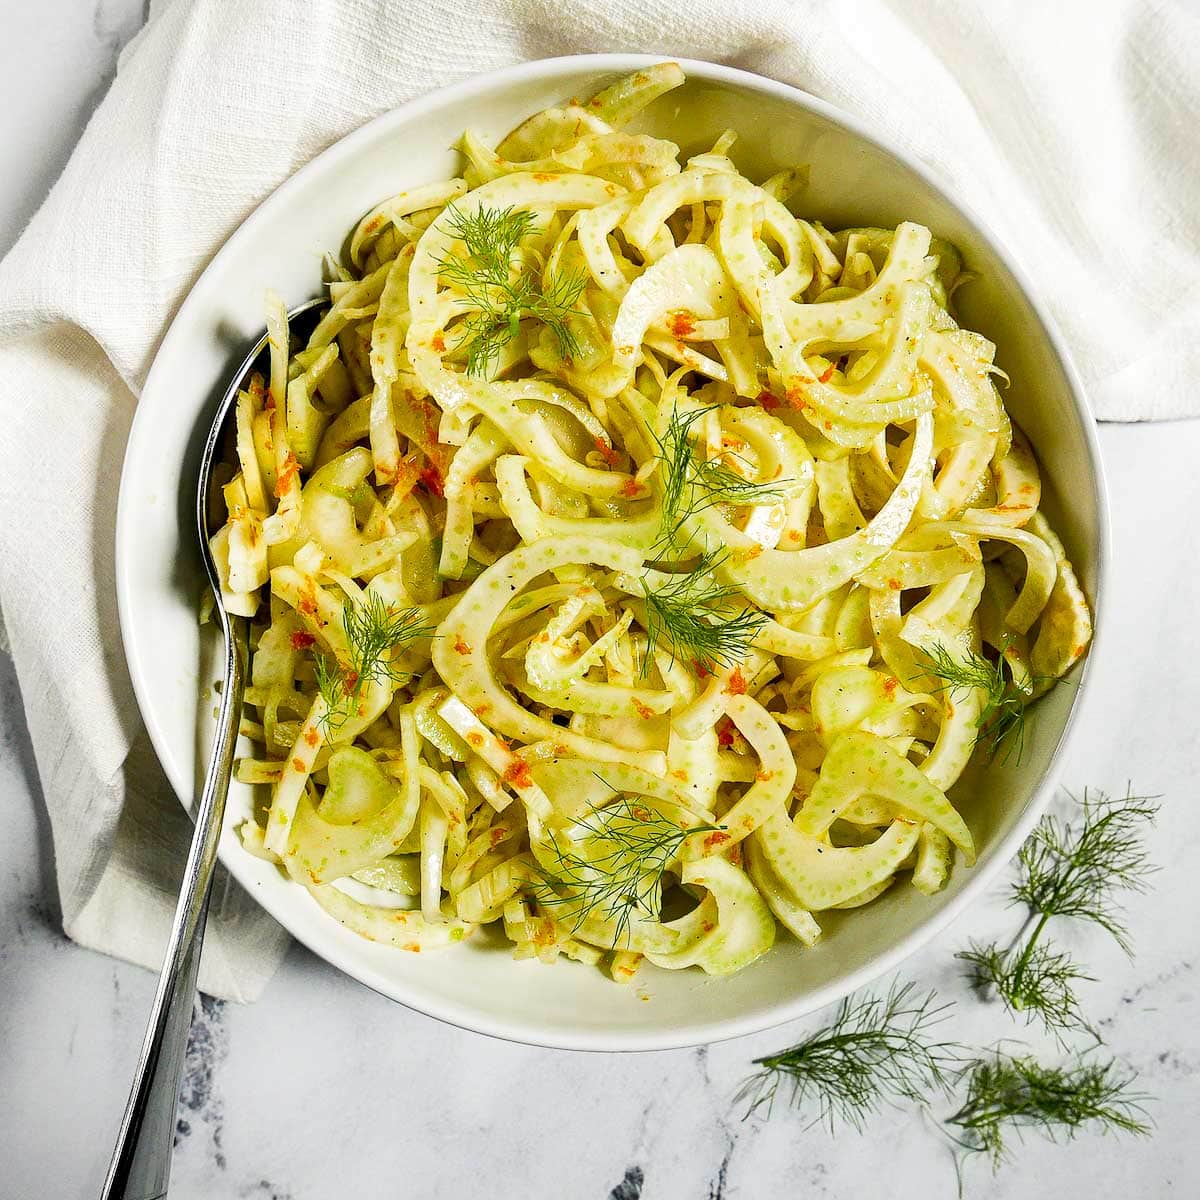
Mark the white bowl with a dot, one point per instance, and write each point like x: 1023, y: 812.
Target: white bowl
x: 855, y: 180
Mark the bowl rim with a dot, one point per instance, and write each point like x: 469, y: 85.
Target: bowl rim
x: 475, y: 1018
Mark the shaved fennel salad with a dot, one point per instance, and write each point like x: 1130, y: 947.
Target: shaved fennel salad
x: 632, y: 564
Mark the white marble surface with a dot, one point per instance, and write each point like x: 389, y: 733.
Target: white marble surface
x: 324, y: 1090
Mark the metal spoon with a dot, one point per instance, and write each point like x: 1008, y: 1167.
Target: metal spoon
x: 141, y: 1162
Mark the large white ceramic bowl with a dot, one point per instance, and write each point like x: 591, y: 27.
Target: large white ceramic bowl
x: 855, y: 180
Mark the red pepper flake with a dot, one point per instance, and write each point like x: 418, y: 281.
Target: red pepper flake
x: 713, y: 840
x: 737, y: 683
x: 350, y: 678
x: 302, y: 640
x: 438, y: 344
x: 702, y: 672
x: 1027, y: 488
x: 725, y: 733
x: 894, y: 584
x: 481, y: 710
x: 298, y: 764
x: 795, y: 398
x: 828, y: 424
x: 681, y: 324
x: 497, y: 835
x: 287, y: 476
x: 768, y: 400
x: 643, y: 710
x: 890, y: 684
x: 609, y: 455
x: 431, y: 480
x: 681, y: 775
x: 764, y: 776
x: 461, y: 647
x: 412, y: 947
x: 642, y: 813
x: 518, y: 774
x: 794, y: 535
x: 373, y: 224
x: 630, y: 488
x: 308, y: 599
x: 708, y: 926
x: 826, y: 375
x: 312, y: 737
x: 475, y: 738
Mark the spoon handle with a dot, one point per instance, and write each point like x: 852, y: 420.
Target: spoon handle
x: 141, y: 1162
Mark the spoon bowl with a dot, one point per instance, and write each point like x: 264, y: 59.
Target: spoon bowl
x: 141, y: 1162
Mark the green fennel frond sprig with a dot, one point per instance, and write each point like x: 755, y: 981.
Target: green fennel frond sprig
x: 689, y: 613
x: 690, y: 483
x: 331, y: 687
x: 1017, y: 1094
x: 375, y: 633
x: 1038, y: 981
x: 876, y: 1051
x: 614, y: 869
x: 1001, y: 722
x: 502, y: 289
x: 1072, y: 870
x: 692, y: 612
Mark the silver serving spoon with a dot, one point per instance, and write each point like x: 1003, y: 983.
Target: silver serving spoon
x: 141, y: 1162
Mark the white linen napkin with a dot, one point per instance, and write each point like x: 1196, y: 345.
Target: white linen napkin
x: 1070, y: 127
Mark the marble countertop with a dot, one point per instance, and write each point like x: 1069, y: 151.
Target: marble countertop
x: 323, y: 1089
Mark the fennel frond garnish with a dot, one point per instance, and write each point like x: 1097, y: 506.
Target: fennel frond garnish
x: 1067, y: 870
x: 1037, y: 980
x: 331, y: 687
x: 685, y: 614
x: 1001, y: 722
x: 1013, y: 1094
x: 503, y: 288
x: 614, y: 869
x: 375, y: 634
x: 691, y: 483
x: 878, y: 1050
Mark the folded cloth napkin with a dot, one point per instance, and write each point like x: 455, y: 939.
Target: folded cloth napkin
x: 1067, y: 126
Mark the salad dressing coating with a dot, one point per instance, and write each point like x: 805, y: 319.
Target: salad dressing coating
x: 633, y: 563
